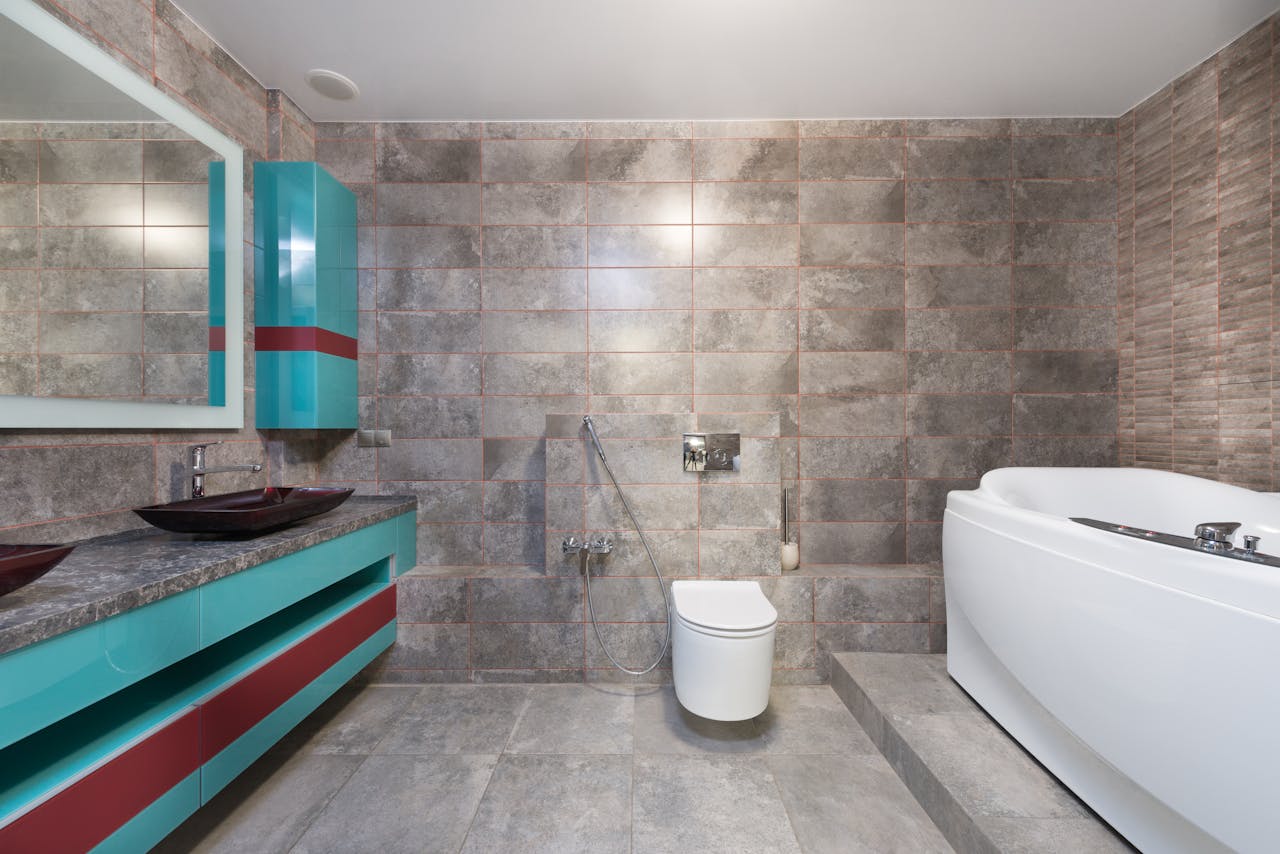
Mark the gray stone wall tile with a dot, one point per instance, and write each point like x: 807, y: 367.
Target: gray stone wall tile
x: 845, y: 245
x: 640, y: 373
x: 859, y: 287
x: 1064, y: 157
x: 534, y: 246
x: 534, y: 331
x: 535, y: 204
x: 640, y: 245
x: 744, y: 202
x: 851, y: 415
x: 640, y: 331
x: 850, y: 159
x: 942, y: 287
x: 728, y: 330
x: 852, y: 201
x: 958, y: 201
x: 843, y: 373
x: 402, y: 159
x: 959, y: 329
x: 745, y: 159
x: 428, y: 204
x: 534, y: 159
x: 960, y: 157
x: 745, y: 245
x: 640, y: 160
x: 744, y: 287
x: 851, y: 329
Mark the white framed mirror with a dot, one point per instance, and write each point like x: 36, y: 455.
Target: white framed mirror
x: 121, y: 243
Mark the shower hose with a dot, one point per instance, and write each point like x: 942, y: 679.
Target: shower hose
x: 666, y: 604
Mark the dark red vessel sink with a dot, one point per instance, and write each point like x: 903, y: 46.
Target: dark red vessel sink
x: 21, y: 565
x: 248, y: 512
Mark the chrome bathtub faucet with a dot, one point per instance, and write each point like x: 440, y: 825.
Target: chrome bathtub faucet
x: 199, y: 469
x: 1216, y: 536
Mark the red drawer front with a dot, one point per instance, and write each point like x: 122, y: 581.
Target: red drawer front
x: 95, y: 806
x: 237, y: 708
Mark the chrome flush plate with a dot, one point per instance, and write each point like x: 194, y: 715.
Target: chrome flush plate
x: 712, y: 451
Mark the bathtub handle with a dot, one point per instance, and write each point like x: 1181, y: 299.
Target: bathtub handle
x: 1216, y: 536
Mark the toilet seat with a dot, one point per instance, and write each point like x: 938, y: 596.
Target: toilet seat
x: 723, y: 608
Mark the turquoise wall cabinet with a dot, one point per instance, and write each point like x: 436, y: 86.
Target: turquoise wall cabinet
x: 305, y: 298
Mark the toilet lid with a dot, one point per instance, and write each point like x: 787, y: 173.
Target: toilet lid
x: 726, y: 605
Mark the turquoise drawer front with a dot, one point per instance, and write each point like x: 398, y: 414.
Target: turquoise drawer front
x: 237, y: 601
x: 53, y: 679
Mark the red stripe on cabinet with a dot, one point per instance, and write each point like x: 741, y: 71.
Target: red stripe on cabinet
x: 95, y: 806
x: 217, y: 338
x: 232, y: 712
x: 305, y: 338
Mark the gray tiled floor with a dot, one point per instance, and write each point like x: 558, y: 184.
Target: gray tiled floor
x: 564, y: 768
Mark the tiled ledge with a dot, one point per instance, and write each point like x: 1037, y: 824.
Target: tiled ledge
x: 478, y: 571
x: 979, y: 786
x: 905, y: 570
x: 886, y: 570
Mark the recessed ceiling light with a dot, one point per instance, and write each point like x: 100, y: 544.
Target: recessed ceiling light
x: 331, y: 84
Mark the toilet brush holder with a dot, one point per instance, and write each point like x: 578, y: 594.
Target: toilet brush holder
x: 789, y: 553
x: 790, y: 556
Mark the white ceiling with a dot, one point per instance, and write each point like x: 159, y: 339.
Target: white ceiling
x: 711, y: 59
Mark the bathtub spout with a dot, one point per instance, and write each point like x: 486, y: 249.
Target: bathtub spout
x: 1216, y: 536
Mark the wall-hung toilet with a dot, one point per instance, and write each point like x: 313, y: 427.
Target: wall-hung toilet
x: 722, y: 648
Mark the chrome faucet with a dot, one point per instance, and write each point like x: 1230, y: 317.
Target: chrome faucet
x: 1216, y: 536
x: 199, y: 469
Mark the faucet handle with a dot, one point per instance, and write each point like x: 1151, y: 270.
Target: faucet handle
x: 203, y: 445
x: 1217, y: 532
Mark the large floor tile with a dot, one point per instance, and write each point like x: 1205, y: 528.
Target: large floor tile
x: 576, y: 719
x: 810, y: 719
x: 986, y: 772
x: 1053, y: 836
x: 555, y: 804
x: 664, y: 726
x: 457, y: 719
x: 904, y: 684
x: 353, y: 720
x: 853, y: 805
x: 395, y: 804
x: 266, y: 808
x: 708, y: 804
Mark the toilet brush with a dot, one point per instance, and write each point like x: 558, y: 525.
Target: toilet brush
x: 790, y: 552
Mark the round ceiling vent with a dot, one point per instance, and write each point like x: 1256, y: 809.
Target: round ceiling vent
x: 331, y: 84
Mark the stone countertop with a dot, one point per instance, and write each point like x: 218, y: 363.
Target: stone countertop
x: 110, y: 575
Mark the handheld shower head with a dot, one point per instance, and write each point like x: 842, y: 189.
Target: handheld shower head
x: 595, y: 440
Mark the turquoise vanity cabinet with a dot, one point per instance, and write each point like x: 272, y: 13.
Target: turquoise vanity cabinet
x: 305, y: 297
x: 111, y: 734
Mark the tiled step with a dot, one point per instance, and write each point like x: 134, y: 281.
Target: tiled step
x: 979, y: 786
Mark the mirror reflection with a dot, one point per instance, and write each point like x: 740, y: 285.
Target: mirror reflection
x: 105, y: 238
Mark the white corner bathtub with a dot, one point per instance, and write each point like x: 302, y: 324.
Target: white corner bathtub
x: 1145, y: 676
